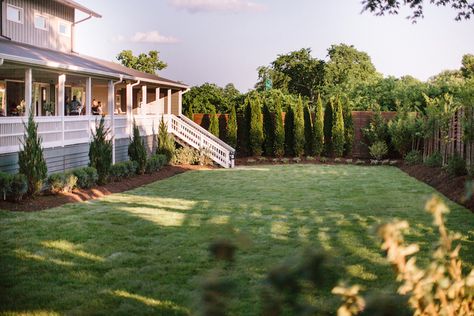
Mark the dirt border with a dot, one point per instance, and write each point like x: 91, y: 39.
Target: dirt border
x: 47, y: 201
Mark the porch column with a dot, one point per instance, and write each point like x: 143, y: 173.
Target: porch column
x: 111, y: 101
x: 169, y: 102
x: 88, y: 95
x: 28, y: 92
x: 157, y: 99
x: 61, y: 91
x: 144, y: 97
x: 180, y: 102
x: 129, y: 102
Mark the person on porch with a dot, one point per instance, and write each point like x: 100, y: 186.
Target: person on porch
x: 75, y: 106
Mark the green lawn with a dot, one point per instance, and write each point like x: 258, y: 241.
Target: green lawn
x: 144, y: 251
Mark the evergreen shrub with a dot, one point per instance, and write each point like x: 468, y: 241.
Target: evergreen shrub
x: 435, y: 160
x: 100, y: 151
x: 137, y: 150
x: 413, y: 157
x: 456, y: 166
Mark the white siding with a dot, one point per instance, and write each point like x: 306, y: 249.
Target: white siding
x: 27, y: 33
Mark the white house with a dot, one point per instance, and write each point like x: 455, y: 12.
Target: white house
x: 41, y: 72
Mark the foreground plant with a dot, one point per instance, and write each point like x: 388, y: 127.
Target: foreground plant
x: 100, y: 151
x: 441, y: 288
x: 30, y: 158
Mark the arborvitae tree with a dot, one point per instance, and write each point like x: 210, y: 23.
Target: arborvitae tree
x: 338, y: 130
x: 243, y: 130
x: 299, y: 128
x: 308, y: 132
x: 100, y: 151
x: 348, y: 129
x: 165, y: 142
x: 269, y: 130
x: 328, y: 127
x: 30, y: 158
x: 136, y: 149
x: 190, y: 112
x: 214, y: 125
x: 256, y: 127
x: 318, y: 128
x: 289, y: 131
x: 279, y: 141
x: 232, y: 128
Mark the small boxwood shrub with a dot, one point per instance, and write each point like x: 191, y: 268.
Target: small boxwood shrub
x: 378, y: 150
x: 62, y: 182
x: 413, y: 158
x: 456, y: 166
x: 86, y: 177
x: 434, y: 160
x: 155, y: 163
x: 118, y: 171
x: 18, y: 187
x: 185, y: 156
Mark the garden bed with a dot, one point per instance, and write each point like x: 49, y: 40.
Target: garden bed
x: 46, y: 201
x: 452, y: 187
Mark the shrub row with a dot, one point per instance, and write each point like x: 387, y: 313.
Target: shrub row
x: 13, y: 186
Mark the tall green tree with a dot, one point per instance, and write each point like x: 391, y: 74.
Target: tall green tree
x: 318, y: 127
x: 136, y: 149
x: 100, y: 151
x: 256, y: 126
x: 30, y: 157
x: 338, y: 138
x: 268, y: 130
x: 328, y: 121
x: 299, y: 128
x: 297, y: 73
x: 308, y: 132
x: 165, y: 142
x: 232, y: 128
x: 149, y: 63
x: 214, y: 125
x: 279, y: 141
x: 347, y: 67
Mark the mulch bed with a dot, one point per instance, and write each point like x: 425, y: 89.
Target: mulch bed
x: 46, y: 201
x: 453, y: 188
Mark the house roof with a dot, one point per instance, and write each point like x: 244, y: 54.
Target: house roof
x: 75, y: 5
x: 76, y: 63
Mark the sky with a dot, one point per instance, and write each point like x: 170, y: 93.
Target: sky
x: 224, y: 41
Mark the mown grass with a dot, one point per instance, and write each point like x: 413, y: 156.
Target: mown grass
x: 144, y: 251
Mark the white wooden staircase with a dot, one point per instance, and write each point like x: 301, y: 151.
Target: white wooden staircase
x: 199, y: 138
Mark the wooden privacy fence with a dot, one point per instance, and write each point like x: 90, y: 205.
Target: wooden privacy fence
x: 360, y: 118
x: 452, y: 140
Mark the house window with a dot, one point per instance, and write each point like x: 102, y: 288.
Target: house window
x: 64, y: 29
x: 14, y: 14
x: 40, y: 22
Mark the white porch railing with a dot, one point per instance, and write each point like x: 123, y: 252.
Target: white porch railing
x: 56, y: 131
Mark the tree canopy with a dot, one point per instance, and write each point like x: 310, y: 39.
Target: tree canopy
x: 463, y: 8
x: 149, y: 63
x: 208, y: 96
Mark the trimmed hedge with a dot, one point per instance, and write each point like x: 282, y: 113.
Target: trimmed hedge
x: 62, y: 182
x: 156, y: 162
x: 87, y: 177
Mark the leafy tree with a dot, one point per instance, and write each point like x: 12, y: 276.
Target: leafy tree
x: 136, y: 150
x: 328, y: 122
x: 338, y: 129
x: 467, y: 68
x: 308, y: 132
x: 289, y: 131
x: 268, y: 129
x: 165, y: 142
x: 214, y: 125
x: 148, y: 63
x: 30, y: 157
x: 256, y: 126
x: 100, y: 151
x: 347, y: 67
x: 232, y: 128
x: 202, y: 98
x: 279, y: 141
x: 190, y: 113
x: 318, y: 128
x: 380, y: 7
x: 297, y: 73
